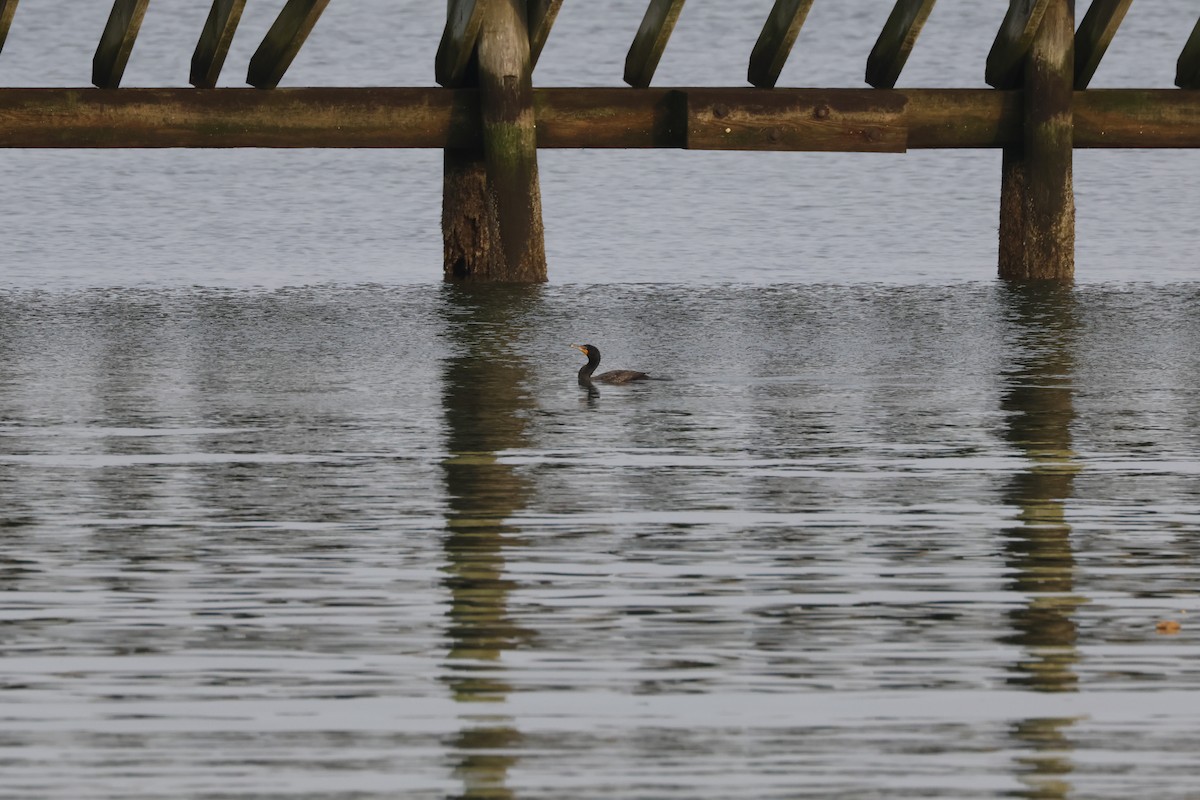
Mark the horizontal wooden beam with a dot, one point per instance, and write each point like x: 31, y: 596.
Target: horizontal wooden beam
x: 864, y: 121
x: 431, y: 117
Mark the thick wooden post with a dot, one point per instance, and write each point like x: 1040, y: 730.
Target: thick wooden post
x: 491, y: 200
x: 1037, y: 201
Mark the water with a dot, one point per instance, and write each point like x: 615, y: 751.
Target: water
x: 284, y: 517
x: 354, y: 542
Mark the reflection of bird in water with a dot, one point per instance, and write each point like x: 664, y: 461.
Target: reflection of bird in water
x: 615, y: 376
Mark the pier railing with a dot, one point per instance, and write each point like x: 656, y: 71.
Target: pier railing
x: 490, y: 120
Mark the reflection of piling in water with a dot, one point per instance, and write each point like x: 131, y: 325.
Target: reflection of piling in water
x: 483, y: 398
x: 1040, y: 402
x: 1039, y: 399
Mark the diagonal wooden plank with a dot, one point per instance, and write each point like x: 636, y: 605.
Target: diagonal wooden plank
x: 112, y: 54
x: 541, y: 15
x: 7, y: 9
x: 1187, y: 69
x: 896, y: 41
x: 1007, y: 56
x: 1099, y: 25
x: 214, y: 42
x: 775, y: 42
x: 463, y: 20
x: 650, y: 42
x: 283, y: 42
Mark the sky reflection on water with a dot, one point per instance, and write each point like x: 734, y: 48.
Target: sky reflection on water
x: 880, y: 541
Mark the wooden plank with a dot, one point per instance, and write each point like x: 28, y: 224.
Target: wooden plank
x: 607, y: 117
x: 775, y: 42
x: 542, y: 14
x: 283, y: 41
x: 463, y: 20
x: 651, y: 40
x: 795, y: 121
x: 214, y: 42
x: 1006, y: 59
x: 896, y: 41
x: 1099, y: 25
x: 1037, y: 198
x: 1137, y: 118
x: 112, y: 54
x: 7, y: 9
x: 1187, y: 68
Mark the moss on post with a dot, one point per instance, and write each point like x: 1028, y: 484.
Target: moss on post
x: 1037, y: 202
x: 491, y: 206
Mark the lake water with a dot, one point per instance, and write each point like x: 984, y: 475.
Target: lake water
x: 285, y: 517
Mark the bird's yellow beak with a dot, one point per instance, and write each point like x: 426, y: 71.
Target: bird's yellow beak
x: 580, y: 348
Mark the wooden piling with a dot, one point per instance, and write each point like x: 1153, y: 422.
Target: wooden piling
x: 112, y: 54
x: 7, y: 9
x: 491, y: 205
x: 1037, y: 203
x: 214, y: 42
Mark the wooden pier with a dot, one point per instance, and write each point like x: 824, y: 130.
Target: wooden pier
x: 490, y: 120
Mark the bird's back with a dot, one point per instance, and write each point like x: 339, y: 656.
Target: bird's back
x: 620, y: 376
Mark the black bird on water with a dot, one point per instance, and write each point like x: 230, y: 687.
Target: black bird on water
x: 615, y: 376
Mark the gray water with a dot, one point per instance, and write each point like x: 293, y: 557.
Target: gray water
x: 284, y: 517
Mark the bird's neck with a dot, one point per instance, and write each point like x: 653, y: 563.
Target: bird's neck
x: 586, y: 370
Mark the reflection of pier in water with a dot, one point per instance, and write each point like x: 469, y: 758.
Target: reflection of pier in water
x: 1039, y: 398
x: 482, y: 396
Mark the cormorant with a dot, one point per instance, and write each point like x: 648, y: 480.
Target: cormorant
x: 615, y: 376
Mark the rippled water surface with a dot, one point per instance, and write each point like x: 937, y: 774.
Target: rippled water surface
x: 860, y: 541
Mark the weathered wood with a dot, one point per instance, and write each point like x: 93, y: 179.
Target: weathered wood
x: 651, y: 40
x: 1187, y: 68
x: 1007, y: 56
x: 896, y: 41
x: 1037, y: 201
x: 609, y: 117
x: 542, y: 14
x: 775, y: 42
x: 771, y: 121
x: 1095, y: 33
x: 283, y: 41
x: 463, y: 19
x: 960, y: 118
x: 7, y: 9
x: 214, y: 42
x: 124, y: 21
x: 493, y: 231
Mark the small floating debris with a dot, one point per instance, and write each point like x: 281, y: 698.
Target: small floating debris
x: 1168, y: 626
